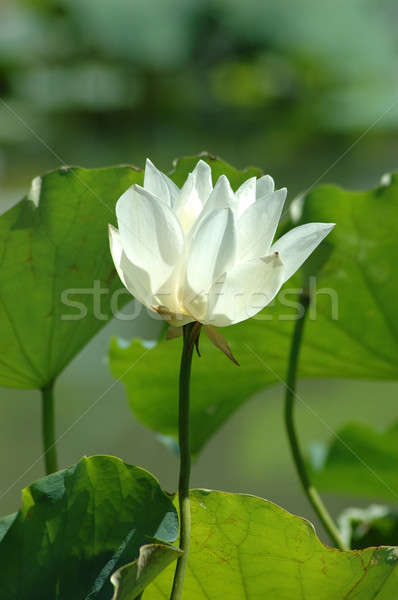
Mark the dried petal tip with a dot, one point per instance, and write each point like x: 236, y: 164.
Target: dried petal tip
x: 197, y: 346
x: 161, y: 310
x: 164, y: 312
x: 220, y: 342
x: 195, y: 335
x: 173, y: 332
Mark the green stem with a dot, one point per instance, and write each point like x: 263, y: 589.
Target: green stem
x: 185, y: 462
x: 48, y: 429
x: 290, y: 396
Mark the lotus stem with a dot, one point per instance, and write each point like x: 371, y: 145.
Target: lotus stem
x: 290, y: 397
x: 185, y: 458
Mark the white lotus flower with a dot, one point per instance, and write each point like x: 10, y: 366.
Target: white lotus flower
x: 206, y: 254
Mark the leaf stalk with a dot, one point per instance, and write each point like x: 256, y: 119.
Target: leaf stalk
x: 48, y: 429
x: 290, y: 397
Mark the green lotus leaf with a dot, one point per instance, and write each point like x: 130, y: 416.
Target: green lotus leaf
x: 54, y: 252
x: 360, y: 461
x: 78, y: 526
x: 244, y: 547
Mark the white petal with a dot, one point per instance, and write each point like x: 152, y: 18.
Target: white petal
x: 265, y: 185
x: 194, y: 194
x: 136, y: 280
x: 202, y: 179
x: 116, y: 248
x: 222, y: 196
x: 189, y: 205
x: 212, y: 252
x: 246, y: 195
x: 160, y: 185
x: 297, y: 244
x: 257, y: 226
x: 150, y: 234
x: 168, y: 294
x: 245, y: 291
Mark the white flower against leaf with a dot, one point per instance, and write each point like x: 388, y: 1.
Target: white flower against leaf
x: 204, y: 253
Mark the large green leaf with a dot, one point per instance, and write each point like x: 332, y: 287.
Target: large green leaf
x: 362, y: 341
x: 247, y: 548
x: 351, y: 332
x: 77, y: 526
x: 53, y: 241
x: 360, y: 461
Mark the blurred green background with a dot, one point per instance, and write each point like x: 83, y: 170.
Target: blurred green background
x: 306, y: 90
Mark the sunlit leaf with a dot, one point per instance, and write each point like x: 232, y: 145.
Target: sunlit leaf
x: 360, y: 461
x: 54, y: 252
x: 247, y: 548
x: 351, y: 331
x: 129, y: 581
x: 77, y: 526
